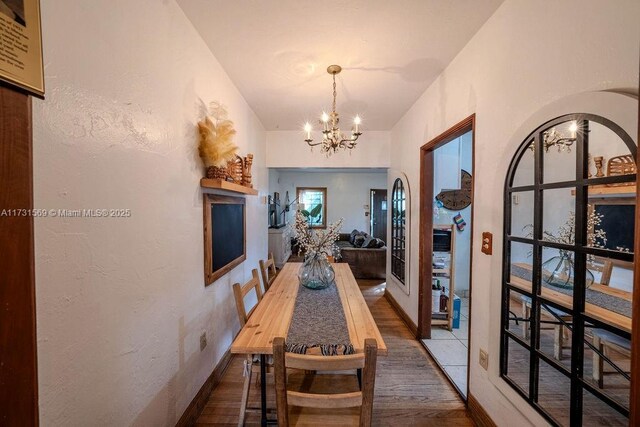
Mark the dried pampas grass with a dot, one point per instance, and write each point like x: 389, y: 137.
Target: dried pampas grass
x: 216, y: 146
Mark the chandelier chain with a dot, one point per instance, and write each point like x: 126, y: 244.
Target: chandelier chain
x: 334, y: 93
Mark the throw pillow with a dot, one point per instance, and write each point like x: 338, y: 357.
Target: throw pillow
x: 380, y: 243
x: 353, y: 235
x: 358, y: 241
x: 369, y: 242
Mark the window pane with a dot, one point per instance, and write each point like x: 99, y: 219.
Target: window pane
x: 555, y: 334
x: 611, y: 217
x: 558, y: 218
x: 519, y: 314
x: 554, y: 393
x: 608, y: 366
x: 559, y: 153
x: 524, y: 170
x: 558, y: 274
x: 608, y: 154
x: 522, y: 214
x: 597, y: 413
x: 518, y: 365
x: 521, y: 265
x: 313, y: 202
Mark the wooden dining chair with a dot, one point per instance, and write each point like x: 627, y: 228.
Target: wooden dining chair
x: 330, y: 402
x: 251, y: 364
x: 268, y: 271
x: 606, y: 342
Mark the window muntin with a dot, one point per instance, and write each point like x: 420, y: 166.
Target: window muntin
x: 550, y: 329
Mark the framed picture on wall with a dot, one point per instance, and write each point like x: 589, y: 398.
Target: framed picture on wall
x: 21, y: 45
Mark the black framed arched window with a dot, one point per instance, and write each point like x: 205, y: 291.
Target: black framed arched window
x: 398, y: 231
x: 569, y: 205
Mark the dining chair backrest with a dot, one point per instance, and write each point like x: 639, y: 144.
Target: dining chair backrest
x: 363, y: 398
x: 268, y: 271
x: 606, y: 268
x: 239, y: 292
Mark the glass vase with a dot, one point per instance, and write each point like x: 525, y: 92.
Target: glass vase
x: 316, y: 272
x: 559, y: 271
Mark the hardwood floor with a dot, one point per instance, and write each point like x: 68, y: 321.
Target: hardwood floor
x: 410, y: 390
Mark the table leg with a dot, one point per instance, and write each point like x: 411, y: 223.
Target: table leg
x: 263, y: 390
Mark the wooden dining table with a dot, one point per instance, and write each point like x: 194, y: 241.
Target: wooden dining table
x: 272, y: 317
x: 597, y: 312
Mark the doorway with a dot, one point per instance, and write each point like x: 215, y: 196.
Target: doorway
x: 378, y: 221
x: 446, y: 211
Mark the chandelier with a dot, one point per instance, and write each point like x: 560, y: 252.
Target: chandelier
x: 332, y: 138
x: 553, y: 138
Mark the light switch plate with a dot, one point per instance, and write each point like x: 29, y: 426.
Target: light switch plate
x: 484, y: 359
x: 487, y: 243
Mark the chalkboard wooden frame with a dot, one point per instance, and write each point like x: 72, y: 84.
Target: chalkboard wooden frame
x: 211, y: 276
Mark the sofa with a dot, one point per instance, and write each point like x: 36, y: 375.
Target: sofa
x: 365, y: 262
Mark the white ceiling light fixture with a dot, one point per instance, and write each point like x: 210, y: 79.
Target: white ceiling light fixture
x: 332, y: 138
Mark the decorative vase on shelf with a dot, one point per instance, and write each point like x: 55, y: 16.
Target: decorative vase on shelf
x: 559, y: 271
x: 316, y: 272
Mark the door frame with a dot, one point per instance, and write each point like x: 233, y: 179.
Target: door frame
x: 18, y: 344
x: 425, y: 269
x: 634, y: 398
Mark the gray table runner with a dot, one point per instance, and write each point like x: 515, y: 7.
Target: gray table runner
x: 610, y: 302
x: 318, y: 321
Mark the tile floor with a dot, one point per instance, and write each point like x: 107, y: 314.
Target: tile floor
x: 450, y: 349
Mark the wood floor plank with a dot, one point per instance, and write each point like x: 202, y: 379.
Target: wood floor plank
x: 410, y: 389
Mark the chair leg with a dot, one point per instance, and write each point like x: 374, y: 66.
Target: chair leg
x: 245, y: 394
x: 558, y: 342
x: 597, y: 362
x: 526, y: 315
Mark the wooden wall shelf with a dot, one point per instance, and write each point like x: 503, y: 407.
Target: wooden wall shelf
x: 218, y: 184
x: 610, y: 190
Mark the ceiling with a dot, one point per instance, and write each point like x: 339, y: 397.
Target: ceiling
x: 276, y: 52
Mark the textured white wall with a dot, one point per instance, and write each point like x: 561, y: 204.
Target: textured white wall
x: 529, y: 63
x: 347, y: 193
x: 287, y: 149
x: 121, y: 301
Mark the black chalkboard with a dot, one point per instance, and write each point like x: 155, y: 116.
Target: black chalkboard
x: 227, y: 239
x: 224, y: 235
x: 618, y: 222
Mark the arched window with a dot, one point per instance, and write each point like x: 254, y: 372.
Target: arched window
x: 567, y: 283
x: 398, y: 231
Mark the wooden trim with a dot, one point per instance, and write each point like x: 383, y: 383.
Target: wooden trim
x: 404, y: 316
x: 209, y: 199
x: 478, y: 414
x: 18, y: 364
x: 426, y: 218
x: 218, y: 184
x: 634, y: 415
x: 196, y: 406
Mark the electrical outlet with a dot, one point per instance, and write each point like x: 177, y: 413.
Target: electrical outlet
x: 203, y: 341
x: 484, y: 359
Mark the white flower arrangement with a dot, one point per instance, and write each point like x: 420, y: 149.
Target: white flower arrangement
x: 317, y: 242
x: 566, y: 234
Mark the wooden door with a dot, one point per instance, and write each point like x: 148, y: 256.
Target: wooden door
x: 379, y: 213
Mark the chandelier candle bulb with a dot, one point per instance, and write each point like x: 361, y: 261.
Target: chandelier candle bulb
x: 573, y: 129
